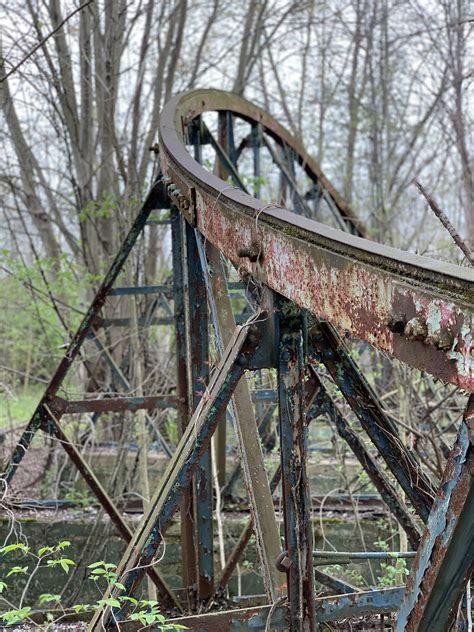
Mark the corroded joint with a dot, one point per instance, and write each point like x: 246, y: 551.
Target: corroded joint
x: 252, y: 252
x: 442, y: 339
x: 416, y: 329
x: 57, y: 405
x: 254, y: 336
x: 181, y: 200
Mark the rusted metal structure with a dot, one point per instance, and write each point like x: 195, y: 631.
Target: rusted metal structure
x: 310, y: 286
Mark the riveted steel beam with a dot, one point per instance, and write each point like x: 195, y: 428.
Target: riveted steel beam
x: 416, y: 309
x: 188, y: 535
x: 197, y: 344
x: 113, y: 404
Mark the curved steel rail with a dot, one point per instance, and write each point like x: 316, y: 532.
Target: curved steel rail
x: 417, y: 309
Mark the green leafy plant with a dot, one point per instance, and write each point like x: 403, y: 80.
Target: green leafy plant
x: 392, y: 573
x: 45, y: 557
x: 102, y: 573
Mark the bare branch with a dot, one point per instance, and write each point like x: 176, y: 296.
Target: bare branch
x: 447, y: 224
x: 40, y: 44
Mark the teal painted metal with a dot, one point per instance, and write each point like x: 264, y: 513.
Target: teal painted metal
x: 264, y: 618
x: 445, y: 558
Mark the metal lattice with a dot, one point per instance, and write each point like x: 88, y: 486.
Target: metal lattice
x: 309, y: 285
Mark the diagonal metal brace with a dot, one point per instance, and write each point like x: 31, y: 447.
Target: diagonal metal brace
x: 195, y: 440
x: 328, y: 347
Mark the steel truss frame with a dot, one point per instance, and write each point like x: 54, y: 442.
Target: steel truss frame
x: 310, y: 284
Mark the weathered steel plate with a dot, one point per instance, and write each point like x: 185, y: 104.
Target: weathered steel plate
x: 418, y: 310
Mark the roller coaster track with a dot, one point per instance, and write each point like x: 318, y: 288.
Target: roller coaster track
x: 311, y: 286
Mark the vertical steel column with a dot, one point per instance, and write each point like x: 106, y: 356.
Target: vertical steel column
x: 198, y: 376
x: 296, y: 497
x: 218, y: 274
x: 188, y: 531
x: 198, y: 371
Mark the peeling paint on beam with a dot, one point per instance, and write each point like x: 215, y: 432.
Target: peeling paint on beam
x: 371, y: 292
x: 255, y: 619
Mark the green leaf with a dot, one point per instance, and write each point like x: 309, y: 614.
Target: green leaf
x: 15, y: 616
x: 96, y: 564
x: 113, y: 603
x: 19, y: 546
x: 130, y: 599
x: 63, y: 545
x: 17, y: 570
x: 45, y: 549
x: 65, y: 564
x: 2, y: 586
x: 47, y: 598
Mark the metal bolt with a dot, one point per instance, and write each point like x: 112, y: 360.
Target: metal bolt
x: 283, y: 562
x: 252, y: 252
x: 242, y: 360
x: 442, y: 339
x: 416, y: 329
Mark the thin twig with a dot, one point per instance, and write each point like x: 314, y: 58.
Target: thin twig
x: 43, y: 41
x: 447, y: 224
x: 468, y: 606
